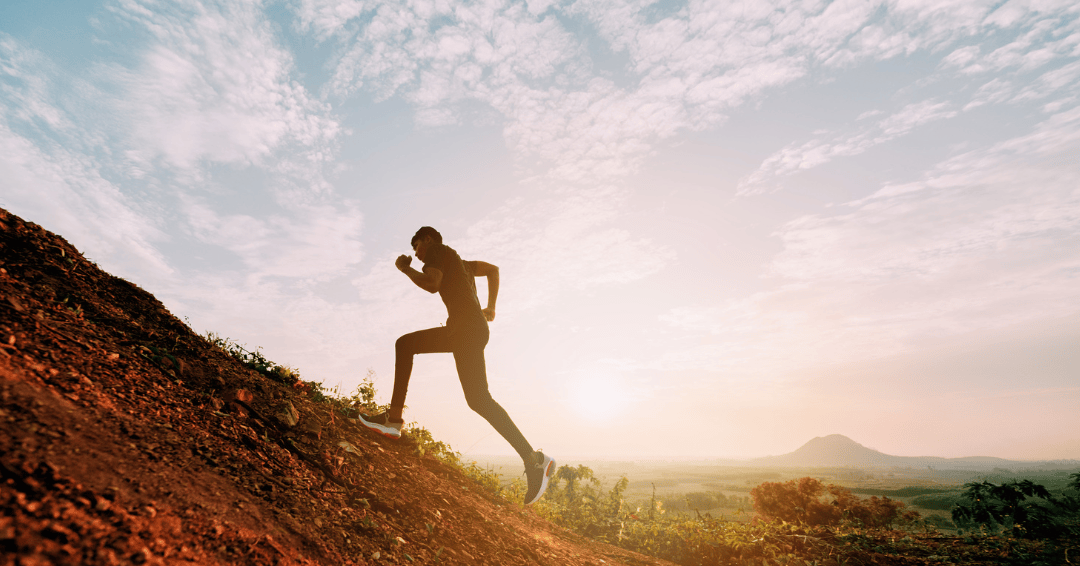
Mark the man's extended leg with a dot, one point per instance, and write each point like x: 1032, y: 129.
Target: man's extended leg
x: 421, y: 342
x: 430, y: 341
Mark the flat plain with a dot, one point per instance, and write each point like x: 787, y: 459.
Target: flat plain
x: 681, y: 486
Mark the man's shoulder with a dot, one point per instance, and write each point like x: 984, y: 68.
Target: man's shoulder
x: 439, y: 254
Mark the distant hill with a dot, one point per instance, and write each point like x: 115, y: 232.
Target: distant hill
x: 837, y: 450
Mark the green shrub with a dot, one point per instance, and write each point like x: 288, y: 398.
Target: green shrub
x: 1019, y: 508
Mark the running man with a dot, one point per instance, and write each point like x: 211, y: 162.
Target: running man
x: 465, y: 335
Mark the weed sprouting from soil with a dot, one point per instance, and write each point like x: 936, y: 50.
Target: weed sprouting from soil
x: 254, y: 359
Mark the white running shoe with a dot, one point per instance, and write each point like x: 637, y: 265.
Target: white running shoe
x: 382, y: 424
x: 538, y: 476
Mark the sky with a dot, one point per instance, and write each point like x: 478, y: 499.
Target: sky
x: 723, y: 228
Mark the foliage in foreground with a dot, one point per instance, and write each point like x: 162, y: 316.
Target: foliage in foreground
x: 254, y: 360
x: 810, y: 502
x: 1020, y: 509
x: 851, y: 531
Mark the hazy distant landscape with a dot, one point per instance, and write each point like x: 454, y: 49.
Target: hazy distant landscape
x: 264, y: 446
x: 762, y: 222
x: 929, y: 484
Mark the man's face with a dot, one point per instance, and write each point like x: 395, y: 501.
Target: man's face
x: 422, y: 246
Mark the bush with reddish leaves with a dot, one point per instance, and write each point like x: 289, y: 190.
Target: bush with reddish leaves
x: 810, y: 502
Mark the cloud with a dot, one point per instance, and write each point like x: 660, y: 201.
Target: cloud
x: 564, y: 244
x: 1037, y: 64
x: 818, y: 152
x: 210, y: 91
x: 1044, y: 38
x: 573, y: 119
x: 27, y: 91
x: 310, y: 243
x: 289, y: 279
x: 563, y: 116
x: 984, y: 240
x: 970, y: 206
x: 1051, y: 83
x: 48, y: 180
x: 325, y: 17
x: 212, y: 86
x: 65, y: 192
x: 961, y: 57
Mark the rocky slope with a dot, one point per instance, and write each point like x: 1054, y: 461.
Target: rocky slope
x: 126, y: 438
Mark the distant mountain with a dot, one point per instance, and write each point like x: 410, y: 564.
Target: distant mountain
x: 839, y: 451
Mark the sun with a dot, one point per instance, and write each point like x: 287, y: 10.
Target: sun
x: 599, y: 398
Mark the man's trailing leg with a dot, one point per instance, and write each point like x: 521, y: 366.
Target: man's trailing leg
x: 472, y: 372
x: 538, y: 475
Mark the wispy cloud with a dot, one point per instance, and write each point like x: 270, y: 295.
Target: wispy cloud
x: 1024, y: 70
x: 311, y: 243
x: 95, y: 215
x: 208, y: 89
x: 24, y: 81
x: 561, y: 110
x: 818, y: 152
x: 49, y: 180
x: 986, y: 239
x: 567, y: 243
x: 687, y: 66
x: 326, y: 17
x: 212, y: 85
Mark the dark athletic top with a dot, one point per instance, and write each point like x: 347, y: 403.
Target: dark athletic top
x: 458, y: 287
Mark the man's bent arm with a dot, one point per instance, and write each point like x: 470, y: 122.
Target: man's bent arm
x: 429, y: 280
x: 484, y: 269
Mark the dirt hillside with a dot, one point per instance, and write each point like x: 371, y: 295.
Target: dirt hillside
x: 125, y: 438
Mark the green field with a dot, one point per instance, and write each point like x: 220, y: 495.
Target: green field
x: 690, y: 487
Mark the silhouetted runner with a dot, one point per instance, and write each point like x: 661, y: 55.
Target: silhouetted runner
x: 465, y: 335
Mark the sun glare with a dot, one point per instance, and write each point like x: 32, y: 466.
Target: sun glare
x: 598, y: 398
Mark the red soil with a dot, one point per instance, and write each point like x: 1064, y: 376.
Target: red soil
x: 111, y: 453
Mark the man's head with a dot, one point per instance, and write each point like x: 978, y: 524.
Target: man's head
x: 423, y: 238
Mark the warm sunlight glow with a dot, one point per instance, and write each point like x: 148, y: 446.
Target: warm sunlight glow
x: 804, y: 215
x: 598, y: 398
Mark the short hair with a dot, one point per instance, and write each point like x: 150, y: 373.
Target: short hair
x: 423, y: 233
